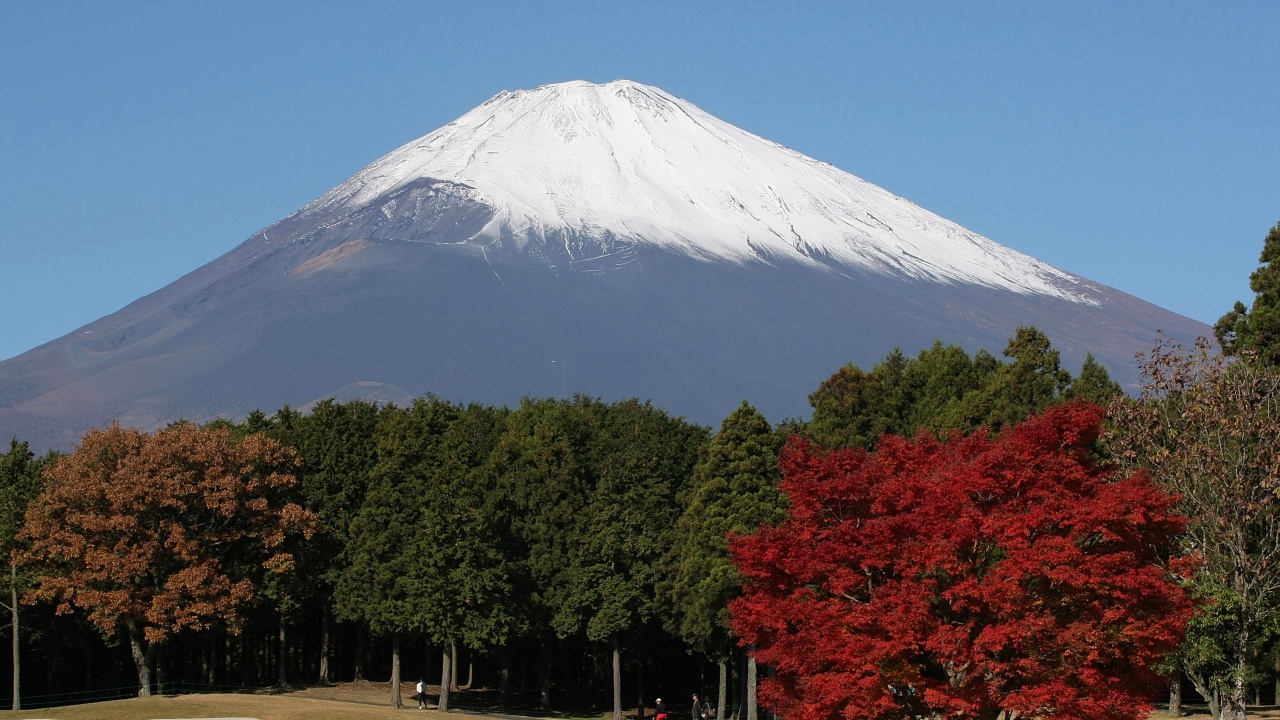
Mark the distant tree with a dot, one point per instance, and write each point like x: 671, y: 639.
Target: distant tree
x: 1257, y: 329
x: 943, y: 389
x: 853, y: 408
x: 1208, y: 430
x: 1031, y: 382
x: 1094, y: 384
x: 946, y: 390
x: 734, y: 489
x: 977, y: 577
x: 151, y: 534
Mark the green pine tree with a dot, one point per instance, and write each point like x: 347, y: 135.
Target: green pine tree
x: 1256, y: 330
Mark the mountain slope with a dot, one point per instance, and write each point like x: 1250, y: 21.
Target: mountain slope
x: 608, y: 238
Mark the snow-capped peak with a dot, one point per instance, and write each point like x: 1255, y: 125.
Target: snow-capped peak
x: 634, y: 161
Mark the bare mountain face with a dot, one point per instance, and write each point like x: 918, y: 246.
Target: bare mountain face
x: 610, y: 239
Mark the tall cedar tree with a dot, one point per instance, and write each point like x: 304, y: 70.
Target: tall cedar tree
x: 458, y: 565
x: 335, y: 443
x: 734, y: 489
x: 376, y: 587
x: 639, y: 458
x: 1208, y: 430
x: 965, y: 578
x: 1256, y: 330
x: 541, y: 469
x: 152, y: 534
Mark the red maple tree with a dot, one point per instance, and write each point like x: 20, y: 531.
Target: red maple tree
x: 972, y: 578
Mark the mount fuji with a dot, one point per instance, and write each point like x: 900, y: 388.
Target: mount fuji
x: 609, y: 238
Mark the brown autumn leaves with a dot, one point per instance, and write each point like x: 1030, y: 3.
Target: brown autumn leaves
x: 153, y: 534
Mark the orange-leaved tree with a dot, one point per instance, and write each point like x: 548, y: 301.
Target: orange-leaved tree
x: 151, y: 534
x: 982, y: 578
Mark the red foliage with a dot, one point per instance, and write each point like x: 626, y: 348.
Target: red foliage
x: 963, y: 578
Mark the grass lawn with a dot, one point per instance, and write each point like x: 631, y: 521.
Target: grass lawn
x: 344, y: 701
x: 339, y: 702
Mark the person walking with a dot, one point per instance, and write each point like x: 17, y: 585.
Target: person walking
x: 660, y: 710
x: 701, y: 709
x: 422, y: 694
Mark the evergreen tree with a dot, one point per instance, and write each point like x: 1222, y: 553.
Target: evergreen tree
x: 940, y: 380
x: 1094, y: 384
x: 540, y: 470
x: 382, y: 586
x: 1029, y: 384
x: 639, y: 459
x: 460, y: 563
x: 853, y: 408
x: 20, y: 473
x: 1257, y: 329
x: 336, y: 445
x: 733, y: 490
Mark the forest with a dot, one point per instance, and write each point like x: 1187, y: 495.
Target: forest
x: 941, y: 537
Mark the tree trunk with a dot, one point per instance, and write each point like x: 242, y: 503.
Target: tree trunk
x: 453, y: 666
x: 396, y: 702
x: 617, y: 680
x: 144, y: 655
x: 722, y: 697
x: 1236, y: 695
x: 17, y: 659
x: 739, y: 683
x: 159, y: 669
x: 282, y: 657
x: 751, y: 683
x: 1175, y: 694
x: 359, y: 671
x: 246, y: 659
x: 206, y: 662
x: 640, y: 691
x: 504, y: 676
x: 544, y: 680
x: 446, y: 673
x: 1211, y: 696
x: 1275, y: 669
x: 471, y: 672
x: 324, y: 647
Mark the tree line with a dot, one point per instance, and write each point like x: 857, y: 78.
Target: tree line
x: 562, y: 541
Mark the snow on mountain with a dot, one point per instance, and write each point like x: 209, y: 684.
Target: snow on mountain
x: 633, y: 162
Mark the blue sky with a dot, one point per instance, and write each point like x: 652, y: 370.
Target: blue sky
x: 1136, y: 144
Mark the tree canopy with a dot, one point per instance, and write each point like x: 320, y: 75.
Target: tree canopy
x: 943, y: 389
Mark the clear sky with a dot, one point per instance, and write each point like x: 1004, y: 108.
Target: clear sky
x: 1134, y: 143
